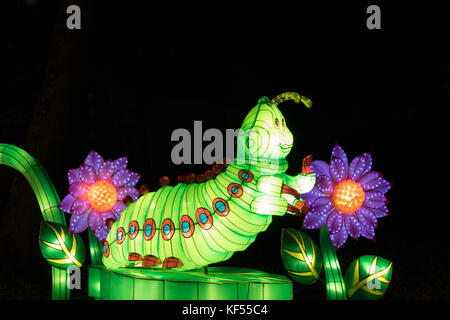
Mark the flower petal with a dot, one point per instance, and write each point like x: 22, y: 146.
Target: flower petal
x: 94, y: 160
x: 366, y: 217
x: 319, y: 167
x: 368, y: 233
x: 73, y: 175
x: 133, y: 180
x: 311, y: 196
x: 374, y: 199
x: 338, y: 170
x: 121, y: 177
x: 360, y: 165
x: 353, y: 226
x: 67, y: 202
x: 384, y: 186
x: 338, y: 152
x: 340, y: 237
x: 128, y: 191
x: 87, y: 174
x: 325, y: 185
x: 118, y: 209
x: 120, y: 163
x: 106, y: 170
x: 370, y: 180
x: 78, y: 223
x: 107, y: 215
x: 334, y: 221
x: 79, y: 190
x: 312, y: 221
x: 380, y: 212
x: 103, y: 231
x: 80, y: 206
x: 95, y: 220
x: 101, y: 235
x: 322, y: 206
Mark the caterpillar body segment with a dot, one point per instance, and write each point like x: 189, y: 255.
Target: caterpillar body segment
x: 189, y: 226
x: 200, y: 224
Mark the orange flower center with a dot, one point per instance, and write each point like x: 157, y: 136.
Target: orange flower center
x: 348, y: 196
x: 102, y: 196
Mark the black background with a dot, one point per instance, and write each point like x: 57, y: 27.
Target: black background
x: 148, y: 70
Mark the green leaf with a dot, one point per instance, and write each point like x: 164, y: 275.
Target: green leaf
x: 301, y: 256
x: 60, y: 247
x: 368, y: 278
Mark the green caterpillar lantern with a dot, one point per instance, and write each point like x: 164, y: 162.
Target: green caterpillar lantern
x: 189, y: 226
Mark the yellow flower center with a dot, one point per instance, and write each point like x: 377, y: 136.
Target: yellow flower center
x: 102, y: 196
x: 348, y: 196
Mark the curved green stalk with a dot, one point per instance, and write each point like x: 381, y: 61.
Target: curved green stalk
x: 47, y: 198
x: 96, y: 249
x: 333, y: 275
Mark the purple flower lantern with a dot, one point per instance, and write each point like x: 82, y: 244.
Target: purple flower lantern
x: 348, y: 199
x: 97, y: 190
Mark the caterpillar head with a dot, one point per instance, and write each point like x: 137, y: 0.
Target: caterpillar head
x: 264, y: 133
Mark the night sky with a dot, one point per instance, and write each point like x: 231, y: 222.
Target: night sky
x: 134, y: 74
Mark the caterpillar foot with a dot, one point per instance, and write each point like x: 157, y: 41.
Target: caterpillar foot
x: 288, y: 190
x: 172, y: 262
x: 134, y: 257
x: 306, y: 169
x: 301, y: 207
x: 150, y: 261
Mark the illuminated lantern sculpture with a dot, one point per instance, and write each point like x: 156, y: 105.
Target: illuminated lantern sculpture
x: 347, y: 200
x: 368, y: 277
x: 205, y: 221
x: 60, y: 247
x: 189, y: 226
x: 301, y: 256
x: 97, y: 190
x: 154, y: 245
x: 59, y: 250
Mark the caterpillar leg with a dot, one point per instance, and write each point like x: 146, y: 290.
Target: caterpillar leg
x: 172, y: 262
x: 269, y: 205
x: 300, y: 207
x: 150, y: 261
x: 134, y: 257
x: 147, y: 261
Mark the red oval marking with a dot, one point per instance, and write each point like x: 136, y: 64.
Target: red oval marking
x: 149, y: 222
x: 217, y: 206
x: 106, y: 249
x: 245, y: 175
x: 119, y: 241
x: 186, y: 219
x: 235, y: 190
x: 133, y: 232
x: 167, y: 233
x: 199, y: 215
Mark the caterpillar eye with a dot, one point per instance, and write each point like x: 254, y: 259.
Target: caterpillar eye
x: 277, y: 122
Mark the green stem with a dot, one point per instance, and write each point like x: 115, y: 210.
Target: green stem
x: 334, y: 281
x: 47, y: 198
x: 96, y: 249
